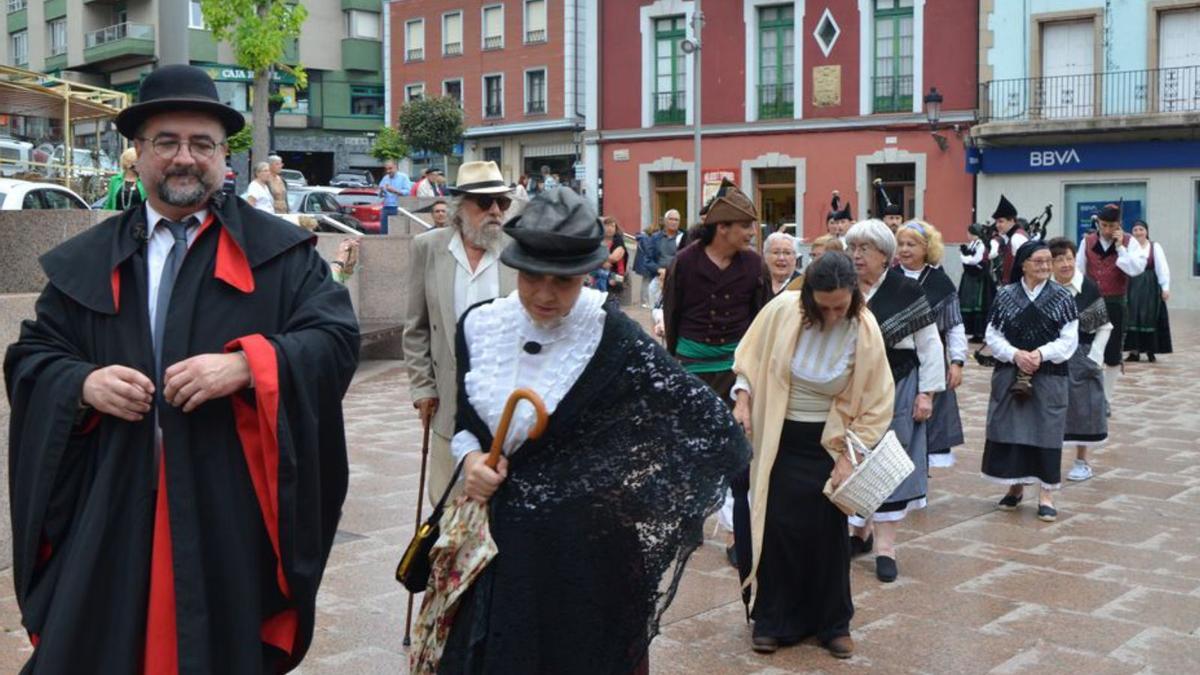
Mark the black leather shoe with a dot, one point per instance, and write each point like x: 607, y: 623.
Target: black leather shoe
x: 1009, y: 502
x: 858, y: 546
x: 1151, y: 359
x: 763, y: 644
x: 841, y: 647
x: 1046, y: 513
x: 1133, y: 356
x: 731, y: 555
x: 885, y: 569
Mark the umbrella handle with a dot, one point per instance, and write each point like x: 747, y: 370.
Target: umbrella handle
x: 539, y: 421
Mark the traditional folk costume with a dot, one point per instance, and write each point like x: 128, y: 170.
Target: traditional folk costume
x: 1087, y: 423
x: 1111, y: 267
x: 706, y: 310
x: 1149, y: 326
x: 1025, y: 436
x: 808, y: 386
x: 944, y: 428
x: 1010, y: 243
x: 917, y: 362
x: 976, y: 288
x: 598, y: 516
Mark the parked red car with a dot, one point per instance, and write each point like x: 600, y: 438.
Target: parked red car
x: 365, y: 204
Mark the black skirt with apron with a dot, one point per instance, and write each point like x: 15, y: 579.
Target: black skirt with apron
x: 1149, y: 328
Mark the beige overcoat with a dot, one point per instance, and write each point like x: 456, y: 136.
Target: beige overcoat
x: 764, y: 357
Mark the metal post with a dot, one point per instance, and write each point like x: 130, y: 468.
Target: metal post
x: 697, y: 26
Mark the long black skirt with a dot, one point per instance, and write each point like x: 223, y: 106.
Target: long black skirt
x: 804, y: 573
x: 1149, y: 327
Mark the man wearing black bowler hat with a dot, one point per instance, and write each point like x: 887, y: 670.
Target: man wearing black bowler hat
x: 591, y: 517
x: 177, y: 453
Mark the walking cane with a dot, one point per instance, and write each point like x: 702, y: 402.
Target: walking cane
x: 420, y: 504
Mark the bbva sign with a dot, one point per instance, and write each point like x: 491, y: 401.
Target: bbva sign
x: 1054, y: 157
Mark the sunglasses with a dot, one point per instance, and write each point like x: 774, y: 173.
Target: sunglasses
x: 485, y: 201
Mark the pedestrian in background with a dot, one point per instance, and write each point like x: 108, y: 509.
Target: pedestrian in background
x: 1149, y: 325
x: 125, y: 190
x: 1032, y: 333
x: 780, y: 249
x: 439, y: 212
x: 920, y: 251
x: 812, y: 366
x: 976, y: 288
x: 1087, y: 423
x: 823, y: 244
x: 916, y: 358
x: 451, y: 269
x: 392, y: 186
x: 279, y: 188
x: 258, y: 192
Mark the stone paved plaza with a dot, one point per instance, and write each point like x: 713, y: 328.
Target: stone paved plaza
x: 1112, y: 587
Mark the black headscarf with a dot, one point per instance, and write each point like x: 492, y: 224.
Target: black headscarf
x: 1027, y: 249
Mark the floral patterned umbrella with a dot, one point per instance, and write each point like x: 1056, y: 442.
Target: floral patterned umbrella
x: 461, y: 553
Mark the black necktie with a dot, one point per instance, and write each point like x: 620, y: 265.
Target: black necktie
x: 166, y: 282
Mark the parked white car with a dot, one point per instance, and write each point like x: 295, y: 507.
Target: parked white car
x: 18, y: 195
x: 14, y: 156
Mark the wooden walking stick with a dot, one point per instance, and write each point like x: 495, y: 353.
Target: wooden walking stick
x: 420, y: 504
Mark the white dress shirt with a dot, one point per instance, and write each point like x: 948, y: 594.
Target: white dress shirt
x: 473, y: 286
x: 975, y: 257
x: 1016, y: 241
x: 1058, y: 350
x: 1160, y: 267
x: 1131, y: 259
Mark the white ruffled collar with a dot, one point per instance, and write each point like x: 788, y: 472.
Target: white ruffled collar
x: 496, y: 333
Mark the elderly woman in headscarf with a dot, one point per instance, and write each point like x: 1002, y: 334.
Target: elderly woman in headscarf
x: 595, y: 519
x: 919, y: 249
x: 1032, y: 332
x: 811, y: 367
x: 915, y: 357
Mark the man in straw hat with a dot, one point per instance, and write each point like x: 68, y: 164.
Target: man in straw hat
x: 713, y: 290
x: 594, y: 519
x: 177, y: 450
x: 451, y: 269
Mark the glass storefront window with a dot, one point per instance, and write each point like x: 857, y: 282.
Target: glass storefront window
x: 1085, y: 200
x: 233, y: 94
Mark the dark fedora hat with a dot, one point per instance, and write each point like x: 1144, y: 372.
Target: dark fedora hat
x: 177, y: 87
x: 556, y: 233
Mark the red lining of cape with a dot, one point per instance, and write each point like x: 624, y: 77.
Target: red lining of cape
x: 258, y: 430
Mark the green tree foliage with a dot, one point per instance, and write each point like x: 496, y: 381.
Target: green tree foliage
x: 389, y: 144
x: 240, y: 142
x: 434, y: 125
x: 259, y: 32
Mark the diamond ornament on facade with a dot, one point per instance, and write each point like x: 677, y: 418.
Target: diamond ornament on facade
x: 827, y: 32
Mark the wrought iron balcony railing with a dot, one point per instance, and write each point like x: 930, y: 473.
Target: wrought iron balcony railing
x: 670, y: 107
x: 536, y: 106
x: 1112, y: 94
x: 892, y: 93
x: 775, y: 101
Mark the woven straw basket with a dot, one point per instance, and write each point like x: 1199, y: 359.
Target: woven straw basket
x: 875, y: 478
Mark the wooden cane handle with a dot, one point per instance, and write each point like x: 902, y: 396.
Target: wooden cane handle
x: 539, y: 421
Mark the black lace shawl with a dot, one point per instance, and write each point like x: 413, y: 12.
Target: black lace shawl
x: 900, y: 307
x: 1093, y: 312
x: 1029, y: 325
x: 597, y: 518
x: 942, y: 296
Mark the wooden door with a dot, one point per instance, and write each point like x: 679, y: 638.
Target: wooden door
x: 1068, y: 63
x: 1178, y: 61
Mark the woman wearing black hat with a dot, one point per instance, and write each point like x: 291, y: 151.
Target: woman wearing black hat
x: 591, y: 517
x: 1033, y: 331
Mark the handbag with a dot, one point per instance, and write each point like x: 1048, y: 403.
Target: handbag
x: 413, y: 569
x: 882, y: 469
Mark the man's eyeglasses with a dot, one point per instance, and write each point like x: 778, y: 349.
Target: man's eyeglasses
x: 166, y: 147
x: 485, y: 201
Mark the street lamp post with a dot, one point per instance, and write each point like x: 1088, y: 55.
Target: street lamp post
x: 692, y: 46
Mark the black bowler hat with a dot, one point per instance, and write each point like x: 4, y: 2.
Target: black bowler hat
x: 556, y: 233
x: 182, y: 88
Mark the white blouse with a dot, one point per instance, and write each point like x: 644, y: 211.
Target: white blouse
x: 496, y: 334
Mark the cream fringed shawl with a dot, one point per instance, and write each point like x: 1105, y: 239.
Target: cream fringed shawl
x: 764, y: 357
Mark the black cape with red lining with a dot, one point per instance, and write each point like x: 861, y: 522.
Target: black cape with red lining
x: 247, y: 476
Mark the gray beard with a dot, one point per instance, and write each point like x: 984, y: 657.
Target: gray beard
x: 482, y: 236
x: 184, y: 197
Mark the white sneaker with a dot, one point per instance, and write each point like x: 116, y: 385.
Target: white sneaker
x: 1081, y: 471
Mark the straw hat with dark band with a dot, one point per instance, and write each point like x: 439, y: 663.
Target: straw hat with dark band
x: 480, y: 178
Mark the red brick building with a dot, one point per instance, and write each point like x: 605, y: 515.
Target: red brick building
x: 799, y: 98
x: 516, y: 66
